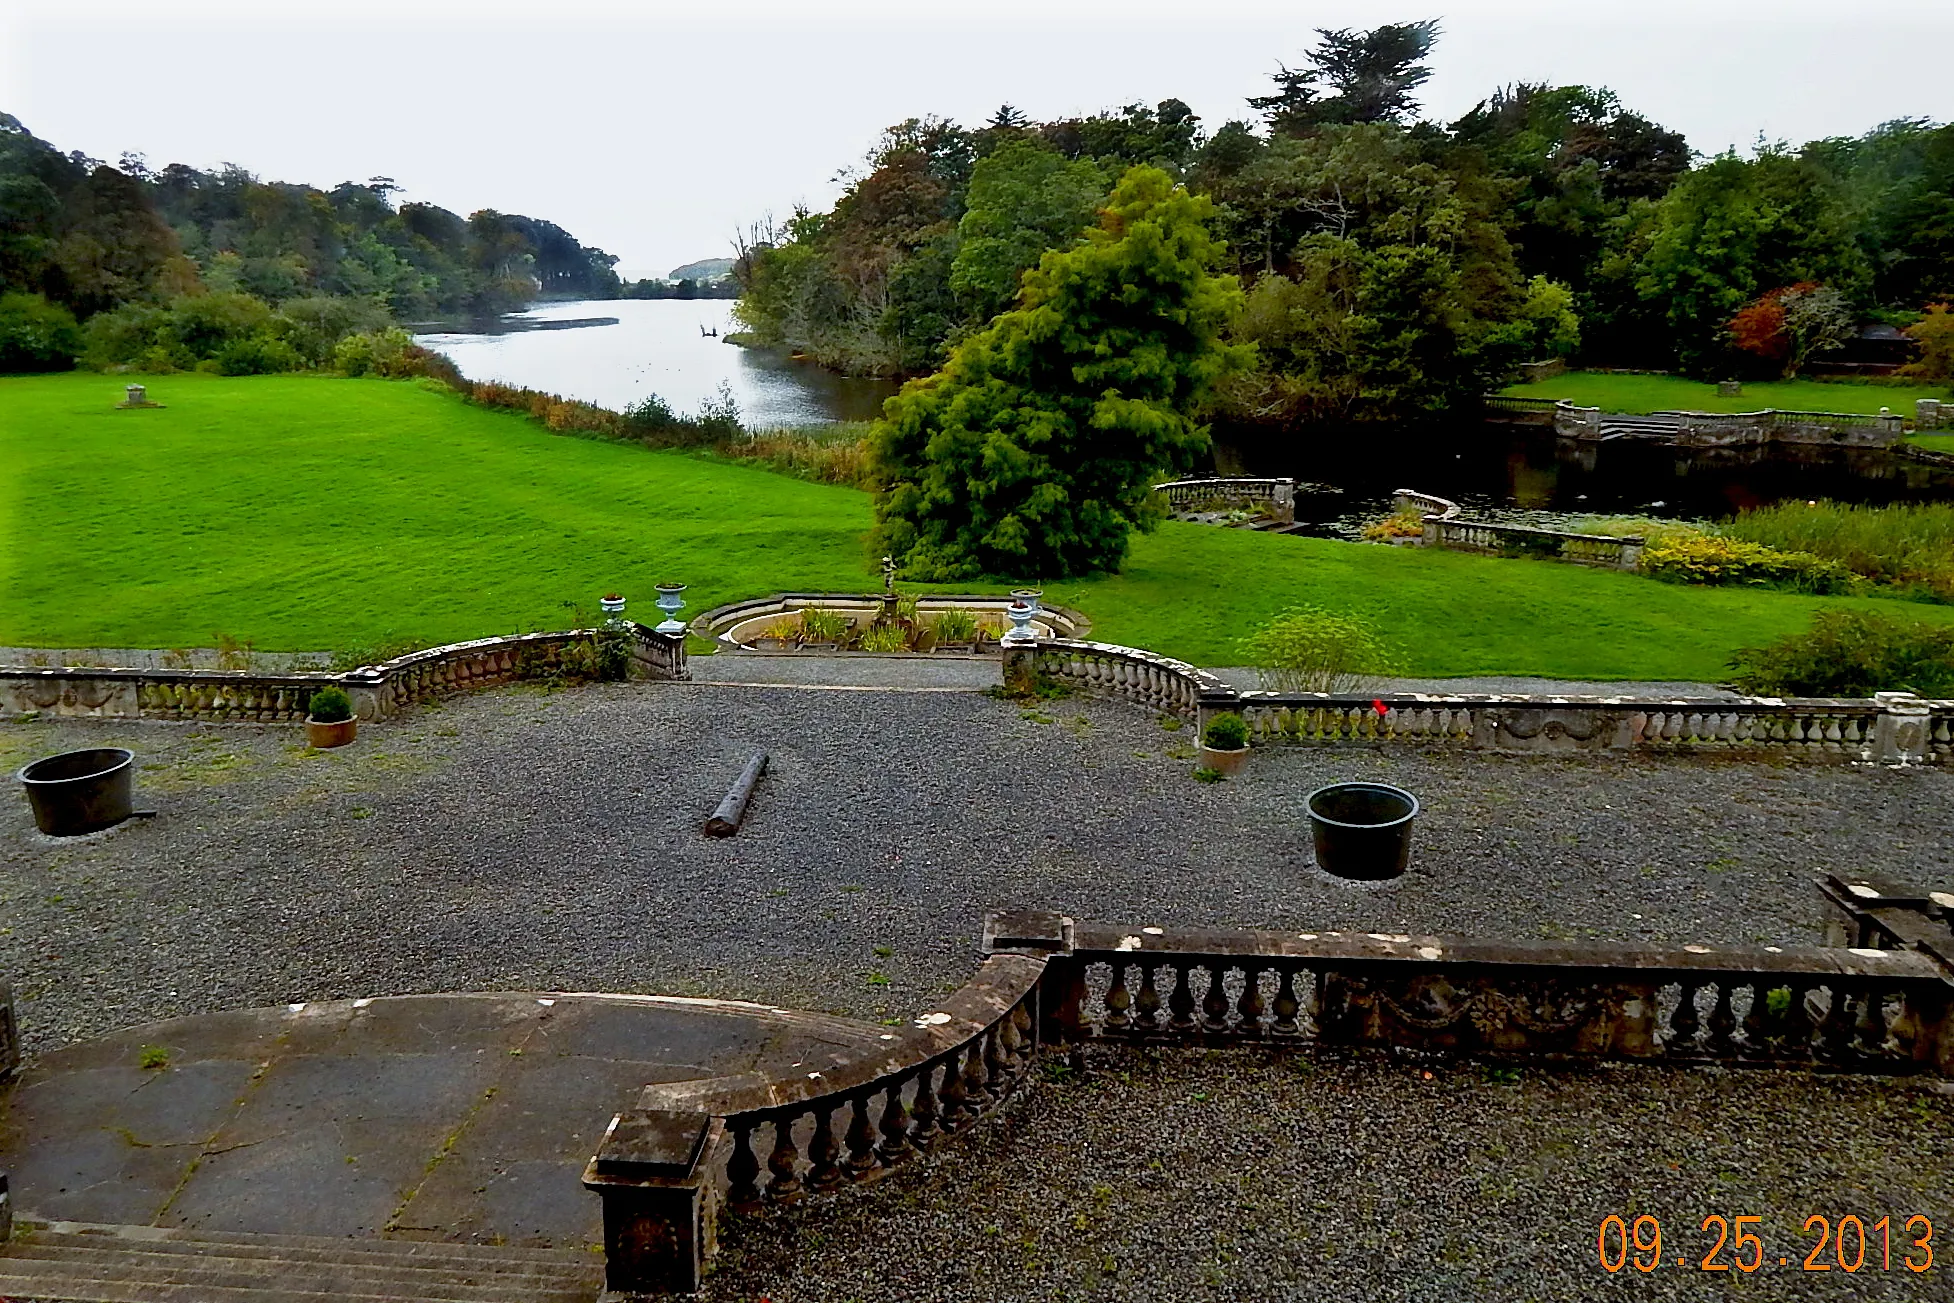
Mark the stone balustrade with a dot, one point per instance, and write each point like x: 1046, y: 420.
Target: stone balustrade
x: 690, y: 1151
x: 1860, y: 1009
x: 377, y: 691
x: 1278, y: 495
x: 749, y: 1144
x: 1444, y: 528
x: 1890, y: 728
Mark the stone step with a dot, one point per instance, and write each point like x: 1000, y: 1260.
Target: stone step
x: 145, y: 1265
x: 300, y: 1248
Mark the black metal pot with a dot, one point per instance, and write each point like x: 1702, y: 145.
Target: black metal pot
x: 80, y: 791
x: 1362, y: 831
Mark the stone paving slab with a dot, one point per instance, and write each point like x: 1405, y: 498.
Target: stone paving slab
x: 450, y: 1117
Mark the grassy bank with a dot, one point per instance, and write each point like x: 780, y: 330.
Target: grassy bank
x: 1641, y: 394
x: 306, y: 513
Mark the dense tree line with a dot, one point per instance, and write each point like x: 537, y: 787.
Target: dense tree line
x: 159, y: 263
x: 1392, y: 264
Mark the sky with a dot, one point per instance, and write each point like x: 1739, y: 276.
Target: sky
x: 656, y: 130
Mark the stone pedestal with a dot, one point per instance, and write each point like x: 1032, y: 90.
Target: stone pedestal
x: 1901, y: 736
x: 659, y: 1201
x: 1020, y: 668
x: 1730, y: 389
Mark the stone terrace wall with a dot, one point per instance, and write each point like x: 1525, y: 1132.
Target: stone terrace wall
x: 377, y: 691
x: 1891, y: 728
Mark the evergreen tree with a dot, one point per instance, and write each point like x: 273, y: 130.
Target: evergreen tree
x: 1033, y: 451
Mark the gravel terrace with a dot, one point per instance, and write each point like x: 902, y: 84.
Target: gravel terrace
x: 550, y: 840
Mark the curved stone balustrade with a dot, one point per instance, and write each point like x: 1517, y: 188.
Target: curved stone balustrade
x: 1102, y: 669
x: 1236, y: 490
x: 377, y: 691
x: 751, y: 1144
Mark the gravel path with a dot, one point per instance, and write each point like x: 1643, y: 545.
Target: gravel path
x: 525, y: 839
x: 532, y: 840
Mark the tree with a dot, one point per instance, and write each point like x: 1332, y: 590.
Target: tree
x: 1370, y: 76
x: 1023, y: 199
x: 1734, y: 228
x: 36, y: 335
x: 1032, y: 452
x: 1934, y: 332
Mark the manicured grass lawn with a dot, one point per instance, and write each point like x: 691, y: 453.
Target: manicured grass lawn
x: 311, y: 514
x: 1643, y: 394
x: 1936, y: 442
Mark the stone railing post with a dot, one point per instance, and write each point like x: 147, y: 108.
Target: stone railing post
x: 1926, y: 413
x: 660, y: 1202
x: 1901, y: 735
x: 1210, y: 702
x: 1630, y: 556
x: 1020, y: 663
x: 1062, y: 988
x: 1284, y: 501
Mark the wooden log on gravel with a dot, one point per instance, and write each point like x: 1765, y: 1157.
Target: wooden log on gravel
x: 725, y: 820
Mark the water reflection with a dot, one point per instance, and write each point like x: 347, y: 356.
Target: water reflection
x: 1497, y: 471
x: 615, y: 352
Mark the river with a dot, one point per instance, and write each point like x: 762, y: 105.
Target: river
x: 615, y: 352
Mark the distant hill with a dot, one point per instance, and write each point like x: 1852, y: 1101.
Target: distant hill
x: 706, y: 269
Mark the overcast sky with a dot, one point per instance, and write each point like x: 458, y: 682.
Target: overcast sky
x: 654, y: 129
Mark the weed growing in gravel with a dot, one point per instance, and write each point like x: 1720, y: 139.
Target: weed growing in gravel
x: 153, y: 1057
x: 1172, y: 723
x: 878, y: 979
x: 361, y: 812
x: 1209, y: 776
x: 1036, y: 716
x: 1179, y: 751
x: 883, y: 952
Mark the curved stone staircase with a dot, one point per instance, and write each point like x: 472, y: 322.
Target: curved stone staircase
x: 78, y: 1262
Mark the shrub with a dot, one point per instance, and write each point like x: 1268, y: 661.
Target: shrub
x: 885, y: 638
x: 1909, y: 547
x: 955, y: 625
x: 331, y: 705
x: 257, y: 355
x: 817, y: 625
x: 1851, y: 654
x: 1225, y: 732
x: 1407, y: 523
x: 1308, y: 649
x: 825, y: 455
x: 315, y: 325
x: 1934, y: 332
x: 36, y: 335
x: 1698, y: 558
x: 377, y: 353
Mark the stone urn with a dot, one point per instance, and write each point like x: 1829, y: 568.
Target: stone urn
x: 671, y: 599
x: 330, y: 733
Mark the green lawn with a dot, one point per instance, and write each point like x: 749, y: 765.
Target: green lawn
x: 1641, y: 394
x: 1935, y: 442
x: 310, y: 514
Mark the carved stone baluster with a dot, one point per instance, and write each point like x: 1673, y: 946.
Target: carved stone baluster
x: 861, y: 1141
x: 1796, y: 1023
x: 824, y: 1173
x: 1248, y: 1008
x: 1870, y: 1032
x: 1835, y: 1034
x: 1180, y: 1004
x: 1146, y: 1009
x: 925, y: 1132
x: 896, y: 1147
x: 1723, y: 1021
x: 782, y: 1163
x: 976, y: 1080
x: 1286, y: 1006
x: 996, y: 1065
x: 956, y: 1102
x: 1214, y: 1005
x: 1022, y: 1024
x: 743, y: 1170
x: 1118, y: 1001
x: 1010, y: 1053
x: 1684, y: 1022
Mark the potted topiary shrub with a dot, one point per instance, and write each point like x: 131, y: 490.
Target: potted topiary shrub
x: 1224, y: 743
x: 329, y: 721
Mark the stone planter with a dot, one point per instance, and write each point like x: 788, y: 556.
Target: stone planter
x: 80, y: 791
x: 1223, y: 762
x: 1361, y: 830
x: 335, y: 733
